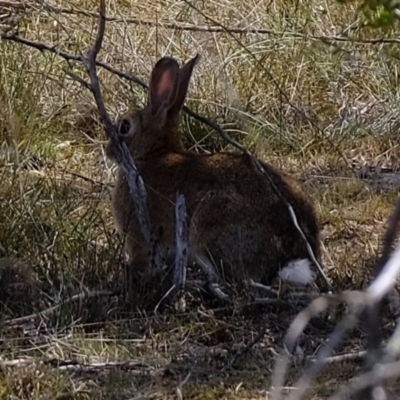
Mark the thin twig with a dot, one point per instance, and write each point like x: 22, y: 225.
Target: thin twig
x: 208, y: 29
x: 260, y: 335
x: 341, y: 357
x: 169, y: 291
x: 388, y: 240
x: 76, y: 78
x: 142, y: 366
x: 267, y: 301
x: 265, y: 288
x: 50, y: 310
x: 182, y: 384
x: 297, y: 295
x: 70, y: 57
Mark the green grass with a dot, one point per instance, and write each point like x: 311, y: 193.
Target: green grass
x: 57, y: 236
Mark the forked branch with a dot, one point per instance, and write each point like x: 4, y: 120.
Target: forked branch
x: 123, y: 156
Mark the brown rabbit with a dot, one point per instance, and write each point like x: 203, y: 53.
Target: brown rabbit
x: 238, y: 227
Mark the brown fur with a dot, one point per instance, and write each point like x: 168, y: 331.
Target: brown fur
x: 235, y: 219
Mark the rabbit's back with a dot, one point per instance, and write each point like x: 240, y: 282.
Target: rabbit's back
x: 236, y: 219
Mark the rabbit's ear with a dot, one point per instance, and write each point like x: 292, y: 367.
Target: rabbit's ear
x: 164, y: 85
x: 185, y: 74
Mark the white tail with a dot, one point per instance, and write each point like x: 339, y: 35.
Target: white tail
x: 298, y: 271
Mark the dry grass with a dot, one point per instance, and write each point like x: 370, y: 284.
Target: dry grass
x: 56, y: 181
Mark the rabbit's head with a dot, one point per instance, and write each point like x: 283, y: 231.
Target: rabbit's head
x: 155, y: 128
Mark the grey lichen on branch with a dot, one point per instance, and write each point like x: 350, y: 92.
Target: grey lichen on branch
x: 123, y: 156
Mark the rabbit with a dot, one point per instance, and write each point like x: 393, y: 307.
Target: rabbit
x: 238, y: 227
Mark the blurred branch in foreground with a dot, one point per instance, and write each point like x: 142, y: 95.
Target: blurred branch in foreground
x: 380, y: 363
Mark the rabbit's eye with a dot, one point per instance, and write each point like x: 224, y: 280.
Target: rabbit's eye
x: 124, y: 127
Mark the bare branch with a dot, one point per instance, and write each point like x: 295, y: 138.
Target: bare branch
x: 77, y: 78
x: 260, y: 335
x: 296, y: 329
x: 293, y: 216
x: 169, y: 291
x: 210, y: 29
x: 265, y: 288
x: 70, y: 57
x: 333, y: 340
x: 181, y: 256
x: 261, y: 300
x: 217, y: 292
x: 181, y: 252
x: 291, y: 295
x: 90, y: 65
x: 373, y: 319
x: 100, y: 34
x: 341, y: 357
x: 134, y: 366
x: 123, y: 156
x: 386, y: 280
x: 358, y: 302
x: 180, y: 386
x: 388, y: 239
